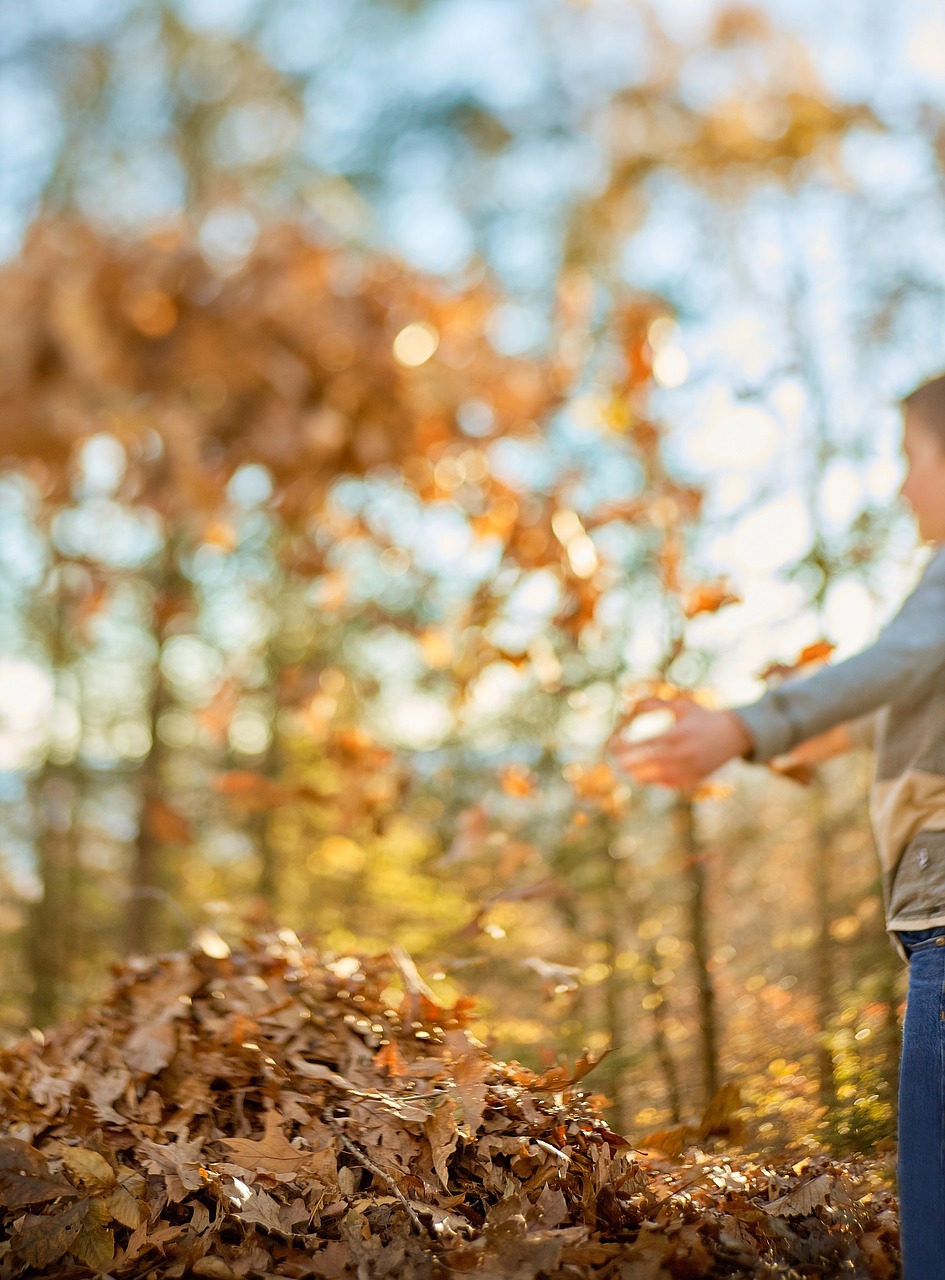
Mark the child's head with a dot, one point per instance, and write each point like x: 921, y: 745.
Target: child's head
x: 924, y: 446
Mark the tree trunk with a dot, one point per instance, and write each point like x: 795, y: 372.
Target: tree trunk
x: 615, y: 906
x: 146, y: 893
x: 891, y: 1041
x: 47, y: 952
x: 46, y: 943
x: 661, y: 1047
x: 823, y: 955
x: 143, y: 891
x: 699, y: 938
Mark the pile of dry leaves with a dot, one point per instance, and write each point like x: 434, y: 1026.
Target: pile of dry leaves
x: 276, y: 1113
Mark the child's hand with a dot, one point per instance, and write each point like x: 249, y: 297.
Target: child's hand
x: 700, y: 742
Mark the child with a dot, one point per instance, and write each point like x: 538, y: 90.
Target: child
x: 892, y: 696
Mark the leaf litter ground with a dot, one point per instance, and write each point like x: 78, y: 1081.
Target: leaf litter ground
x: 272, y: 1112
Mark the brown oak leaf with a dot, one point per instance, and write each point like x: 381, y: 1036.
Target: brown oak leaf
x: 24, y: 1177
x: 179, y: 1162
x: 442, y: 1135
x: 265, y: 1211
x: 272, y: 1153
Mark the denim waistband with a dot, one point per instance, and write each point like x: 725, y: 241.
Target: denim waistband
x: 914, y: 940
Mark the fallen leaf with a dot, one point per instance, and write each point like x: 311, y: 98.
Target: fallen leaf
x: 25, y: 1178
x: 469, y: 1077
x: 803, y: 1200
x: 443, y: 1136
x: 124, y: 1208
x: 265, y: 1211
x: 179, y: 1162
x: 94, y: 1243
x: 272, y: 1153
x: 389, y: 1058
x: 42, y: 1239
x: 88, y: 1169
x: 150, y: 1047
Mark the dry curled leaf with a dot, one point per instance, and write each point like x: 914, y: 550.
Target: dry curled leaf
x: 804, y: 1199
x: 272, y: 1153
x: 25, y: 1178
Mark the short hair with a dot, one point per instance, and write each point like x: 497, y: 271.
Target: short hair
x: 928, y: 403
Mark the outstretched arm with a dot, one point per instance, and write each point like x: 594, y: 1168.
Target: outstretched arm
x: 907, y: 658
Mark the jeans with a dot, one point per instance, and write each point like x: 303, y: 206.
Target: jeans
x: 922, y: 1108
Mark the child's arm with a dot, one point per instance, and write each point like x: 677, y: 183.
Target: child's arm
x: 906, y: 658
x: 908, y: 655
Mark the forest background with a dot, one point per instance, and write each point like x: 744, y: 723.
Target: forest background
x: 391, y: 393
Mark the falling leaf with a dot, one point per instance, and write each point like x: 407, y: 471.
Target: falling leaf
x: 720, y: 1118
x: 164, y: 823
x: 469, y: 1072
x: 517, y: 781
x: 587, y: 1062
x: 820, y: 651
x: 250, y: 792
x: 814, y: 655
x: 593, y: 782
x: 708, y: 598
x: 673, y: 1140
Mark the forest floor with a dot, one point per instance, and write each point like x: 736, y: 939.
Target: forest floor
x: 272, y: 1112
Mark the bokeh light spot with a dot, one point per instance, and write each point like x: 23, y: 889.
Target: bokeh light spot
x: 415, y: 344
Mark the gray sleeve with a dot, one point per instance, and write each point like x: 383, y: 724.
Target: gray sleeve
x: 908, y: 655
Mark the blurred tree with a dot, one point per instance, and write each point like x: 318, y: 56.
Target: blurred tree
x: 115, y: 343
